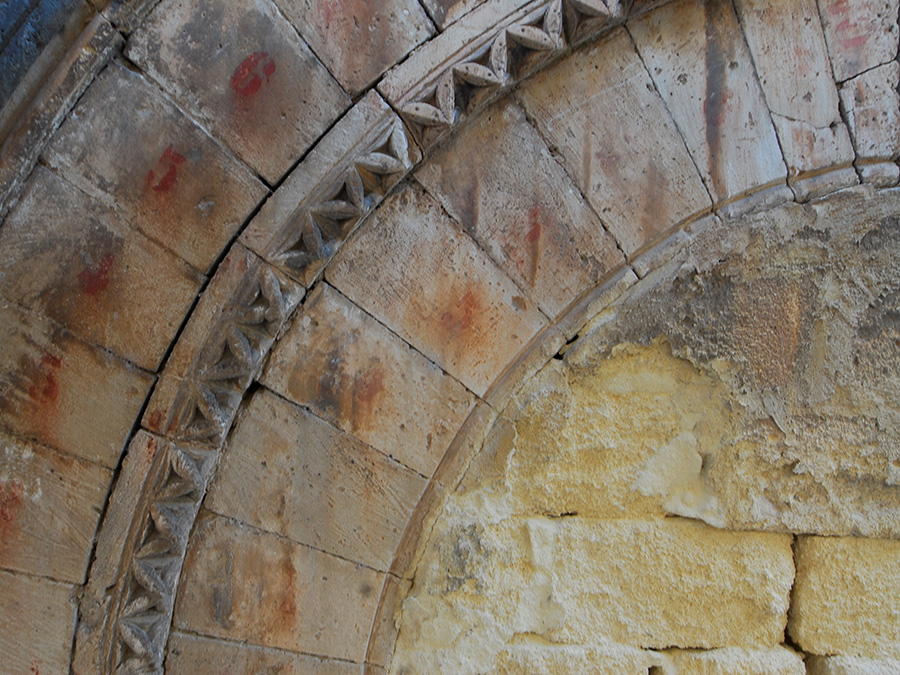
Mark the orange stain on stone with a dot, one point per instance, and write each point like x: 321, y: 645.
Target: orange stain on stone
x: 48, y: 391
x: 459, y: 317
x: 11, y: 495
x: 94, y: 279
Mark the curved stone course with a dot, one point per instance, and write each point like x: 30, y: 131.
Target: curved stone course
x: 411, y: 260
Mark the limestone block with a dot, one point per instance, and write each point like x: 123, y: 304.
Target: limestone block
x: 378, y: 35
x: 851, y: 665
x: 861, y: 34
x: 535, y: 658
x: 598, y: 108
x: 135, y: 151
x: 428, y: 282
x: 500, y: 182
x: 258, y: 588
x: 70, y: 258
x: 872, y: 106
x: 37, y: 617
x: 700, y: 64
x: 344, y: 177
x: 235, y: 66
x: 53, y: 387
x: 734, y: 661
x: 291, y: 473
x: 195, y: 654
x: 445, y: 12
x: 846, y: 598
x: 49, y: 506
x: 350, y: 370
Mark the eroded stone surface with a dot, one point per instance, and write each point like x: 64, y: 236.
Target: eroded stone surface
x: 350, y: 370
x: 427, y: 281
x: 500, y: 182
x: 600, y: 111
x: 288, y: 472
x: 134, y: 150
x: 261, y: 589
x: 359, y: 40
x: 445, y: 12
x: 236, y: 66
x: 86, y: 270
x: 851, y: 665
x: 49, y: 508
x: 872, y: 106
x: 698, y: 59
x: 861, y: 34
x: 846, y: 597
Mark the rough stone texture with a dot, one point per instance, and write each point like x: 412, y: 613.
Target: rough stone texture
x: 599, y: 110
x: 359, y: 40
x: 70, y: 258
x: 732, y: 661
x: 697, y: 57
x: 36, y: 624
x: 872, y: 106
x: 861, y: 34
x: 353, y: 372
x: 851, y: 665
x: 132, y: 149
x: 192, y: 654
x: 49, y: 506
x: 846, y: 599
x: 445, y: 12
x: 291, y: 473
x: 49, y: 389
x: 429, y: 283
x: 500, y: 182
x: 537, y: 658
x: 261, y: 589
x: 234, y: 65
x: 789, y: 51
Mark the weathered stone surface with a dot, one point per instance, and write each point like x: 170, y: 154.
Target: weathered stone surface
x: 599, y: 109
x: 261, y: 589
x: 190, y: 653
x: 698, y: 59
x: 872, y: 106
x: 861, y: 34
x: 36, y: 624
x: 359, y: 40
x: 71, y: 259
x: 578, y: 581
x: 236, y: 66
x: 445, y: 12
x: 49, y: 506
x: 128, y: 146
x: 425, y: 280
x: 350, y: 370
x: 53, y: 387
x: 807, y: 149
x: 536, y: 658
x: 291, y: 473
x: 384, y: 630
x: 851, y: 665
x: 846, y: 597
x: 352, y: 168
x: 733, y: 661
x: 500, y: 182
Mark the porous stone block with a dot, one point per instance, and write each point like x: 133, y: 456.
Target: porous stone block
x: 699, y: 62
x: 236, y: 66
x: 49, y: 508
x: 193, y: 653
x: 846, y: 597
x: 350, y: 370
x: 261, y: 589
x: 134, y: 150
x: 872, y: 106
x: 735, y: 661
x: 286, y: 471
x: 599, y: 109
x: 861, y: 34
x: 36, y: 624
x: 53, y: 387
x: 357, y: 41
x: 68, y: 257
x: 424, y: 279
x: 500, y: 182
x: 851, y: 665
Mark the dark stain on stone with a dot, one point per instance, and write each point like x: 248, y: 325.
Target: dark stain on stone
x: 329, y: 392
x: 46, y: 391
x: 368, y: 387
x: 94, y: 278
x: 715, y: 107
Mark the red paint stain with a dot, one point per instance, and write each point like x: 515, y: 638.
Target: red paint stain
x: 95, y: 278
x: 460, y: 316
x: 48, y: 392
x: 368, y: 386
x: 10, y: 500
x: 247, y: 78
x: 168, y: 163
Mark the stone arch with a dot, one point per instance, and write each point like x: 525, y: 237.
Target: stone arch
x: 353, y: 178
